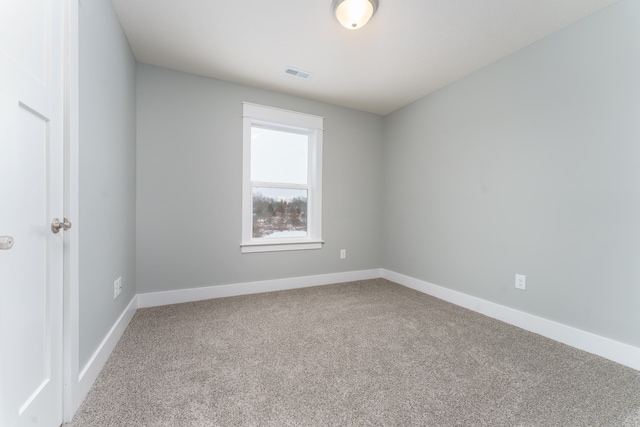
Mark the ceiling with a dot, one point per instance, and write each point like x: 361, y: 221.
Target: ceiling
x: 409, y: 49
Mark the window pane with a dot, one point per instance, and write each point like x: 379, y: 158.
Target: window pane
x: 278, y: 156
x: 279, y: 212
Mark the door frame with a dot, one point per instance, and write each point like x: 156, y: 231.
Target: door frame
x: 72, y: 396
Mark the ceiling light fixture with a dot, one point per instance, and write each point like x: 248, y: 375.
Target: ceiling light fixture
x: 354, y: 14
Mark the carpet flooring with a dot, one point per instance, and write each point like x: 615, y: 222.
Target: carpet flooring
x: 366, y: 353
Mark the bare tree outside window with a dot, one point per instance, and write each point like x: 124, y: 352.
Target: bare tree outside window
x: 279, y: 213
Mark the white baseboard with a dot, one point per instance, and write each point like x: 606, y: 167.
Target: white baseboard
x: 92, y: 369
x: 154, y: 299
x: 609, y: 349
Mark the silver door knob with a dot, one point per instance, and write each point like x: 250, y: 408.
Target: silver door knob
x: 57, y: 225
x: 6, y: 243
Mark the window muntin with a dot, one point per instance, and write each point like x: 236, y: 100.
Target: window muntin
x: 282, y: 182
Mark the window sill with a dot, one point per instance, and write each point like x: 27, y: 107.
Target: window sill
x: 248, y: 248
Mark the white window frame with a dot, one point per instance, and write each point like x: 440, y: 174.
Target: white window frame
x: 283, y: 120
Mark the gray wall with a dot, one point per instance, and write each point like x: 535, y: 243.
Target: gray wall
x: 189, y: 182
x: 530, y: 166
x: 107, y: 172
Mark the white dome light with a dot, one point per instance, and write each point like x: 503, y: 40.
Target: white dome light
x: 354, y: 14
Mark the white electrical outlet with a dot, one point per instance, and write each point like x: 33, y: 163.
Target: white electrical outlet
x: 521, y: 282
x: 343, y: 253
x: 117, y: 287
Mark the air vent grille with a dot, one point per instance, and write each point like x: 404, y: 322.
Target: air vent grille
x: 305, y: 75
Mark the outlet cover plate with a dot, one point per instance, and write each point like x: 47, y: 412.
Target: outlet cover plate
x: 521, y: 282
x: 117, y: 287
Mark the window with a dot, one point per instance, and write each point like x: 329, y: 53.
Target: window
x: 282, y: 180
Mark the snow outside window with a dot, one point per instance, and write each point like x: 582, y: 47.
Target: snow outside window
x: 282, y: 180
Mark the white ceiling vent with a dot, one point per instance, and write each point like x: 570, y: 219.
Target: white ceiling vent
x: 305, y: 75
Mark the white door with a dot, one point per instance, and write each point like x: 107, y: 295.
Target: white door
x: 31, y: 195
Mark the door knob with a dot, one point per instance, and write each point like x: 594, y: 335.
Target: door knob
x: 57, y: 225
x: 6, y: 243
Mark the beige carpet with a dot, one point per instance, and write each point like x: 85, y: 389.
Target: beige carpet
x: 368, y: 353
